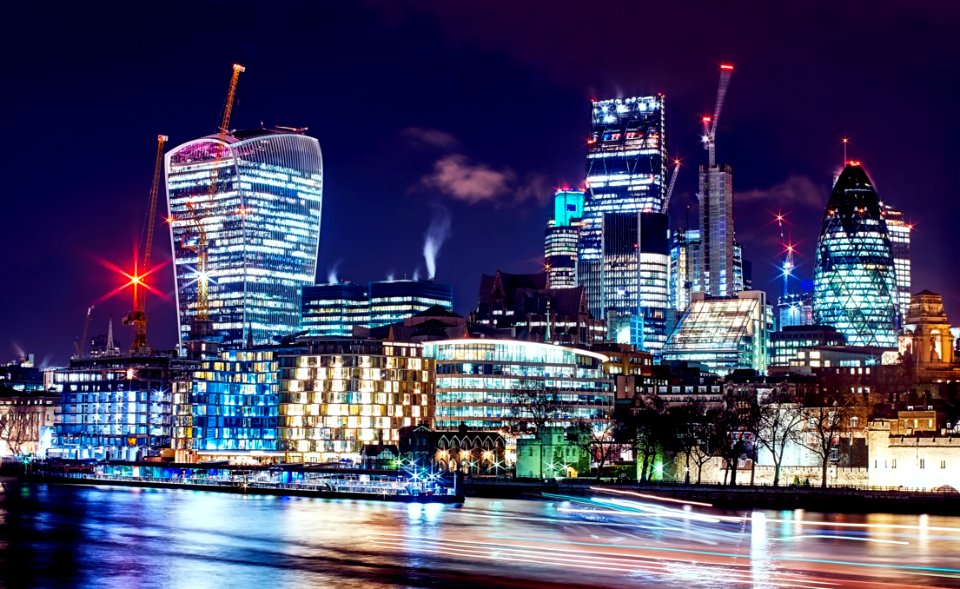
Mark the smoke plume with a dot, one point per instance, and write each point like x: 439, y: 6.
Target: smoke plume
x: 437, y: 233
x: 332, y: 273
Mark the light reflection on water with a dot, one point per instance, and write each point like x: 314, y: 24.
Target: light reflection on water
x: 117, y: 537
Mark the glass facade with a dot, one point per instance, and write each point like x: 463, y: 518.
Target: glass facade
x: 334, y: 309
x: 786, y: 344
x: 625, y: 177
x: 723, y: 334
x: 261, y: 223
x: 392, y: 301
x: 855, y: 287
x: 795, y: 309
x: 716, y: 231
x: 684, y: 268
x: 561, y: 239
x: 487, y: 384
x: 899, y: 231
x: 116, y: 408
x: 343, y: 394
x: 233, y: 405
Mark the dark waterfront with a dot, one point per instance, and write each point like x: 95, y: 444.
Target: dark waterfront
x: 59, y: 536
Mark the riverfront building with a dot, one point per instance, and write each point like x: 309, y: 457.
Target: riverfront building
x: 625, y: 178
x: 115, y: 407
x: 855, y: 279
x: 490, y: 384
x: 723, y: 334
x: 229, y: 409
x: 250, y: 205
x: 341, y: 394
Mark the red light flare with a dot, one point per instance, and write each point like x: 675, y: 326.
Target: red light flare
x: 790, y: 247
x: 726, y: 66
x: 135, y: 280
x: 780, y: 217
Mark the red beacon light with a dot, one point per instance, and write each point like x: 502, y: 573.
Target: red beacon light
x: 726, y: 66
x: 853, y: 163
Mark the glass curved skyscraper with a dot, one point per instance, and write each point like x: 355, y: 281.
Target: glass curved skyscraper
x: 261, y: 224
x: 855, y: 282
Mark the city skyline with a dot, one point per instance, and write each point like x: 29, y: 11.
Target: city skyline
x: 377, y: 221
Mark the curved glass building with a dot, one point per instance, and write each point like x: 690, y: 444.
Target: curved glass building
x: 855, y: 287
x: 262, y: 226
x: 491, y: 384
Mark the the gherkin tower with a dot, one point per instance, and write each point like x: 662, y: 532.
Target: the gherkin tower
x: 855, y: 283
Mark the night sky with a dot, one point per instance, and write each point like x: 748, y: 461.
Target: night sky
x: 472, y: 109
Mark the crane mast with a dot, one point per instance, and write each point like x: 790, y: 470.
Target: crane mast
x: 710, y: 123
x: 80, y: 346
x: 139, y: 317
x: 203, y: 301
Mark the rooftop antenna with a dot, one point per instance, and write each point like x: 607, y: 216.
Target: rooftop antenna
x: 845, y: 140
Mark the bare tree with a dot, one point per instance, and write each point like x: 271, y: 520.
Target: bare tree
x: 597, y: 440
x: 827, y: 416
x: 533, y: 408
x: 16, y: 426
x: 779, y: 423
x: 736, y: 424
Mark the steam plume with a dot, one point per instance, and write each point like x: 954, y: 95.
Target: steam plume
x: 437, y: 233
x: 332, y: 273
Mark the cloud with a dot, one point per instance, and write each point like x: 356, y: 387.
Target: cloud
x: 455, y: 176
x: 795, y: 191
x: 430, y: 137
x: 459, y: 178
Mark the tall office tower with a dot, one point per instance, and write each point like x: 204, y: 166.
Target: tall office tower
x: 392, y: 301
x: 561, y: 237
x: 334, y: 309
x: 716, y: 230
x: 855, y: 287
x: 685, y: 269
x: 626, y: 168
x: 899, y: 231
x: 252, y: 238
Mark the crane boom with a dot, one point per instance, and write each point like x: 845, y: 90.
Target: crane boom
x: 203, y: 301
x: 139, y: 317
x: 80, y: 346
x: 673, y: 182
x: 710, y: 123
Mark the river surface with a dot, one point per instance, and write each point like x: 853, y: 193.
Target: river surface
x: 62, y: 536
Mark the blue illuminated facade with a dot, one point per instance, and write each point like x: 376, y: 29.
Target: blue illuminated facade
x: 624, y: 190
x: 116, y: 407
x: 262, y: 228
x: 231, y: 407
x: 855, y: 286
x: 561, y: 238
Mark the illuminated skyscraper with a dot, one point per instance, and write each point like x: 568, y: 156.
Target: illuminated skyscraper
x: 625, y: 177
x: 716, y: 230
x: 259, y: 226
x: 392, y: 301
x: 334, y: 309
x: 561, y: 237
x: 684, y: 267
x: 899, y: 231
x: 855, y: 287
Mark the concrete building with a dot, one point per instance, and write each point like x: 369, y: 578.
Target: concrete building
x: 785, y: 345
x: 917, y: 450
x: 926, y: 342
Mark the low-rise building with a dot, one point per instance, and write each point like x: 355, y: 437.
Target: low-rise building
x: 917, y: 450
x: 551, y: 453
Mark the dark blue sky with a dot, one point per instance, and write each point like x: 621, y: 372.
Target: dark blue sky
x: 480, y: 108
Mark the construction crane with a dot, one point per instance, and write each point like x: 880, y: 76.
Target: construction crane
x: 673, y: 182
x: 79, y: 346
x: 138, y: 317
x: 203, y: 301
x: 710, y: 123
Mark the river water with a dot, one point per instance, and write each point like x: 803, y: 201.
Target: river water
x: 61, y: 536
